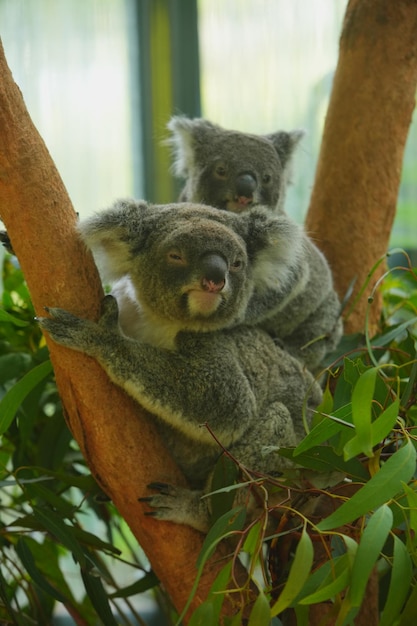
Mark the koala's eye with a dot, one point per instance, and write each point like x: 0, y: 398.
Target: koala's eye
x: 220, y: 171
x: 266, y: 179
x: 175, y: 258
x: 236, y: 265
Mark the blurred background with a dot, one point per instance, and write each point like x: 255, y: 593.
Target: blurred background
x: 101, y: 78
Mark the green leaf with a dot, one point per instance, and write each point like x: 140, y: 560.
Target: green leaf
x: 327, y: 428
x: 15, y: 396
x: 14, y: 365
x: 230, y: 521
x: 332, y: 588
x: 225, y: 474
x: 203, y: 615
x: 409, y: 388
x: 226, y: 525
x: 28, y: 561
x: 362, y: 396
x: 56, y: 526
x: 370, y: 546
x: 325, y: 459
x: 253, y: 539
x: 300, y: 569
x: 380, y: 428
x: 7, y: 317
x: 148, y: 581
x: 412, y: 503
x: 409, y: 615
x: 218, y: 588
x: 399, y: 587
x: 98, y: 598
x: 383, y: 486
x: 388, y: 337
x: 328, y: 580
x: 261, y: 612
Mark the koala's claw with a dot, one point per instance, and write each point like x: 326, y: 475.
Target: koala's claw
x: 162, y: 487
x: 175, y: 504
x: 67, y: 329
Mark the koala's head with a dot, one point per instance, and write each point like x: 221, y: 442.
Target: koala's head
x: 228, y: 169
x: 190, y: 265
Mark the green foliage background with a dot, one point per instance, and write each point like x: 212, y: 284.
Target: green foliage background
x: 363, y: 434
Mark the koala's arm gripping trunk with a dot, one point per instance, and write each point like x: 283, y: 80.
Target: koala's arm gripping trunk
x: 117, y: 439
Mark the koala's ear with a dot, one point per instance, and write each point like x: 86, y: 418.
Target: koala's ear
x: 185, y: 135
x: 285, y: 144
x: 111, y: 233
x: 274, y: 243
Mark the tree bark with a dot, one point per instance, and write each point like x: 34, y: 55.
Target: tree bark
x: 354, y: 197
x: 115, y: 435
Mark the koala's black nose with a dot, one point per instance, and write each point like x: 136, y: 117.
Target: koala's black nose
x: 213, y: 269
x: 245, y: 185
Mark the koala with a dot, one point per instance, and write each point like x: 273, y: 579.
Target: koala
x: 237, y: 171
x: 228, y: 169
x: 192, y: 271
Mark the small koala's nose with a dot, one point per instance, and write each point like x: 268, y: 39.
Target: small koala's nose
x: 213, y: 271
x: 245, y: 185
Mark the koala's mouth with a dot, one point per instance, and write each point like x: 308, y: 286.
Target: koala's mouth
x: 203, y: 303
x: 239, y: 203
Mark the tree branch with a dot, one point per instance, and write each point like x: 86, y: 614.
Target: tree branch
x: 115, y: 435
x: 358, y: 174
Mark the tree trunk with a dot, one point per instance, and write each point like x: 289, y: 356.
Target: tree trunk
x: 115, y: 435
x: 358, y: 174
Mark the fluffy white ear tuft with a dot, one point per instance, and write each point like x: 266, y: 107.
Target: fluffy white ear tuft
x: 182, y: 144
x: 285, y: 144
x: 110, y: 252
x: 109, y: 235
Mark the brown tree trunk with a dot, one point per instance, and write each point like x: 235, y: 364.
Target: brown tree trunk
x: 115, y: 435
x: 354, y: 197
x: 358, y: 174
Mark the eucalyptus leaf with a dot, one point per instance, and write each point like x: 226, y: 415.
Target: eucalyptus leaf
x: 383, y: 486
x: 370, y: 547
x: 300, y: 569
x: 7, y: 317
x: 362, y: 397
x: 401, y: 576
x: 61, y: 531
x: 380, y: 429
x: 38, y: 578
x: 261, y: 612
x: 15, y: 396
x: 98, y: 597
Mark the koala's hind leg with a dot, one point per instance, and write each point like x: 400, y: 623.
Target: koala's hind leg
x: 179, y: 505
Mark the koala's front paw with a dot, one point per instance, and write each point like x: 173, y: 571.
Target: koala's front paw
x: 179, y: 505
x: 69, y: 330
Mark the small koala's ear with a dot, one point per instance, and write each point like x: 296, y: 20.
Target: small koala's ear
x: 111, y: 233
x: 274, y: 242
x: 285, y: 144
x: 185, y: 134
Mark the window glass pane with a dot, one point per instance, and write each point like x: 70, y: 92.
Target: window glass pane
x: 268, y: 65
x: 70, y: 59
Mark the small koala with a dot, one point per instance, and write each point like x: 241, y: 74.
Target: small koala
x: 236, y: 171
x: 192, y: 271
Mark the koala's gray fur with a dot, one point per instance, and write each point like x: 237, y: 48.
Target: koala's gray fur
x: 228, y: 169
x: 236, y: 171
x: 193, y: 269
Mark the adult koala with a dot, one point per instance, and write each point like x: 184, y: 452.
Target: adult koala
x: 191, y: 271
